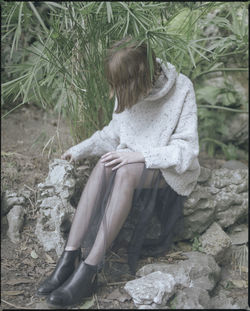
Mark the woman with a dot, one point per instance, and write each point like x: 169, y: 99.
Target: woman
x: 148, y: 160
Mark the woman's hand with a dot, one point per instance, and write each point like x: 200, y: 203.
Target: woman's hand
x: 121, y: 158
x: 67, y: 156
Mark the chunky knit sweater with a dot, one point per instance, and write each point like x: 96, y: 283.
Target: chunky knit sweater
x: 162, y: 126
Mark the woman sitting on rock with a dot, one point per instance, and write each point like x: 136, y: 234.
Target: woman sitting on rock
x: 148, y: 160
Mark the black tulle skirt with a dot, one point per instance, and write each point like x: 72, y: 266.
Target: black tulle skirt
x: 155, y: 218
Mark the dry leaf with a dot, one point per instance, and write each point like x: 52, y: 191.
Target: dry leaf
x: 27, y: 261
x: 244, y: 269
x: 239, y: 283
x: 174, y: 254
x: 33, y: 254
x: 12, y: 292
x: 114, y: 295
x: 18, y: 281
x: 88, y: 304
x: 120, y: 260
x: 49, y: 259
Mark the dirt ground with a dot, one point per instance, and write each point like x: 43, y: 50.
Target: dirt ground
x: 30, y: 138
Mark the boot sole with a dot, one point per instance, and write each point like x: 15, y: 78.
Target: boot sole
x: 57, y: 306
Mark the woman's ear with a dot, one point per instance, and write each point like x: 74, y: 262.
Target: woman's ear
x: 111, y: 92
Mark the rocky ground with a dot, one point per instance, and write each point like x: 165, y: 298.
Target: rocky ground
x: 25, y: 134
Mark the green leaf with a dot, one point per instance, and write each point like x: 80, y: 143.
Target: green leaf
x: 88, y: 303
x: 109, y: 11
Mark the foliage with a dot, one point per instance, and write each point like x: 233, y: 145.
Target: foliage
x: 196, y: 245
x: 53, y: 56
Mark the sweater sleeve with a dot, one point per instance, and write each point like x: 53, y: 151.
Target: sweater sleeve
x: 183, y: 147
x: 100, y: 142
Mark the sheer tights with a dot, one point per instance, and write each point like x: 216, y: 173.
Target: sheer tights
x: 119, y: 203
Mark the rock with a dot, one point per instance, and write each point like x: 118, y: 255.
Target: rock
x: 117, y: 295
x: 9, y: 199
x: 55, y: 211
x: 60, y: 181
x: 221, y: 195
x: 222, y: 301
x: 191, y: 298
x: 154, y: 288
x: 205, y: 174
x: 15, y: 220
x: 239, y: 235
x: 233, y: 165
x: 200, y: 270
x: 237, y: 129
x: 216, y: 242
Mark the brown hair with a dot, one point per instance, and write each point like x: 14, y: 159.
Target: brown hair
x: 127, y: 71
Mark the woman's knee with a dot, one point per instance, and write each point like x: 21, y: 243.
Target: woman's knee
x: 101, y: 166
x: 129, y: 172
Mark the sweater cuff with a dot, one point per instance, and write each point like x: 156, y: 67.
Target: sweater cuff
x: 148, y: 158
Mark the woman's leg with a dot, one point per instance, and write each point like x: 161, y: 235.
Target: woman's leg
x: 85, y: 208
x: 126, y: 180
x: 82, y: 282
x: 66, y: 264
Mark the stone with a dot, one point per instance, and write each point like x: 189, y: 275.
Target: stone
x: 60, y: 180
x: 233, y: 165
x: 239, y: 235
x: 15, y: 222
x: 215, y: 242
x: 191, y: 298
x: 221, y: 195
x: 9, y: 199
x: 237, y: 129
x: 55, y: 211
x: 154, y: 288
x: 223, y: 301
x: 199, y: 270
x: 205, y: 174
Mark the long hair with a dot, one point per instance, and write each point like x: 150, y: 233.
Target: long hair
x: 128, y: 73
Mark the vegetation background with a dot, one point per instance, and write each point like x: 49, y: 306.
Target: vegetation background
x: 52, y: 57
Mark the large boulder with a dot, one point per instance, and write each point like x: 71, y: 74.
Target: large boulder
x: 183, y: 285
x: 55, y: 211
x: 216, y: 243
x: 192, y: 298
x: 221, y: 195
x: 199, y: 270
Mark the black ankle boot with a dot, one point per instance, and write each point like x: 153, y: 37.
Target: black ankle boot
x: 81, y: 284
x: 64, y: 268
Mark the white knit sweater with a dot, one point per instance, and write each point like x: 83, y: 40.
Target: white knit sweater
x: 162, y: 126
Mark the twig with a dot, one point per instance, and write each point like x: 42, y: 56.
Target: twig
x: 17, y: 307
x: 115, y: 254
x: 29, y: 188
x: 97, y: 301
x: 116, y: 283
x: 104, y: 277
